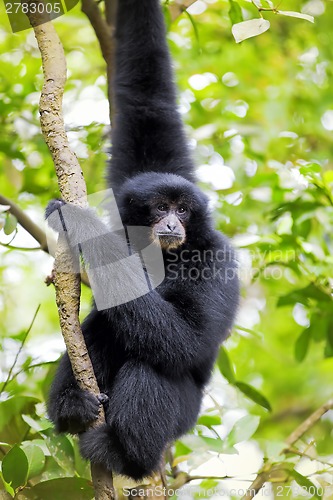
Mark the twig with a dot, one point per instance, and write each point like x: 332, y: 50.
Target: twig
x: 36, y: 232
x: 163, y: 477
x: 22, y: 249
x: 25, y: 221
x: 175, y: 470
x: 184, y: 478
x: 31, y: 367
x: 178, y: 7
x: 73, y: 189
x: 295, y: 451
x: 104, y: 30
x: 308, y: 423
x: 9, y: 376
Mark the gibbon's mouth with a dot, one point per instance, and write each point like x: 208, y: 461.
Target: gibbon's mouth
x: 168, y: 241
x: 170, y: 235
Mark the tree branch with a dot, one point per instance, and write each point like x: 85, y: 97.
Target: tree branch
x: 46, y: 243
x: 264, y: 475
x: 73, y: 189
x: 308, y: 423
x: 104, y: 30
x: 184, y: 478
x: 25, y: 221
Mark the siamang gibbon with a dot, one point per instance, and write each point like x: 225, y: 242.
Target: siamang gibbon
x: 152, y: 355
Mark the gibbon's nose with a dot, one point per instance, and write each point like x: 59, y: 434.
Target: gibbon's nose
x: 171, y: 227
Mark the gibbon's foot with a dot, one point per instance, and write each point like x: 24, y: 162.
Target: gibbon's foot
x: 76, y: 412
x: 102, y: 445
x: 103, y: 398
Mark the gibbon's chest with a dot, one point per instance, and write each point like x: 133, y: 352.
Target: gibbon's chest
x: 186, y: 270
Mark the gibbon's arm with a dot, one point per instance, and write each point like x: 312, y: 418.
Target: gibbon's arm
x: 80, y: 223
x: 148, y: 133
x: 83, y: 226
x: 169, y: 336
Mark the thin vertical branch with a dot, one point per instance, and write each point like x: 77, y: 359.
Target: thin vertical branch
x: 73, y: 189
x: 104, y: 30
x: 10, y: 372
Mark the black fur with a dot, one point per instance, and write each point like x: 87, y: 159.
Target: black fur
x: 152, y: 356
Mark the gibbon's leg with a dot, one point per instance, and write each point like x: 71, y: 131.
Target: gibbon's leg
x: 190, y: 397
x: 142, y: 419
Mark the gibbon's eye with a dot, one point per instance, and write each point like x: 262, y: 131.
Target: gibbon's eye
x: 162, y: 207
x: 181, y: 210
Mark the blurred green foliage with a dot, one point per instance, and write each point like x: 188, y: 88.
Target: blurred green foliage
x: 261, y: 112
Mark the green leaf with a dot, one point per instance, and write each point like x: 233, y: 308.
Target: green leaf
x: 206, y: 485
x: 330, y: 333
x: 7, y: 491
x: 181, y: 449
x: 13, y: 407
x: 308, y: 485
x: 284, y: 224
x: 225, y: 366
x: 303, y: 295
x: 290, y: 13
x: 273, y: 449
x: 320, y: 324
x: 193, y: 442
x: 37, y: 425
x: 36, y: 459
x: 254, y: 395
x: 10, y: 224
x: 213, y: 444
x: 15, y: 467
x: 328, y: 351
x: 235, y: 12
x: 247, y: 29
x: 52, y: 470
x: 243, y: 429
x: 209, y: 420
x: 61, y: 450
x: 312, y: 168
x: 302, y: 345
x: 328, y: 176
x: 199, y: 444
x: 59, y: 489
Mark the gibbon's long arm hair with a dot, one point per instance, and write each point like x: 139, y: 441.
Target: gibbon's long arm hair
x: 153, y: 355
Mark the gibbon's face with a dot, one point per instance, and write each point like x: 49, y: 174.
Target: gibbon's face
x: 169, y: 221
x: 169, y: 204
